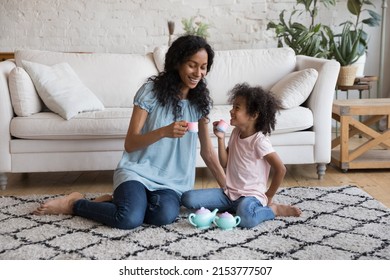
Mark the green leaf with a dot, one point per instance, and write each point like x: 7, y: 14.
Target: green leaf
x: 355, y: 6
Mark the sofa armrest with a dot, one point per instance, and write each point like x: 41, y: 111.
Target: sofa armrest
x: 6, y: 114
x: 320, y: 102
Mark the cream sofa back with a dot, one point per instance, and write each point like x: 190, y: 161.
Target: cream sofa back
x: 102, y: 72
x: 113, y: 78
x: 256, y: 67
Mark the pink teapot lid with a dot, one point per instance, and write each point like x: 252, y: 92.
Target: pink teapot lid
x: 202, y: 210
x: 226, y: 215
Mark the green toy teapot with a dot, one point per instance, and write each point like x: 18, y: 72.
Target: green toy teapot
x: 202, y: 218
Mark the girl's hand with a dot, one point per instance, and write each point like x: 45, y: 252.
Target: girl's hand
x: 218, y: 133
x: 176, y: 129
x: 269, y: 199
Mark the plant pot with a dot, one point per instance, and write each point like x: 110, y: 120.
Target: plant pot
x: 347, y: 75
x: 360, y: 63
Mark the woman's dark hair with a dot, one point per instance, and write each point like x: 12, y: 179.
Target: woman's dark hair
x: 167, y: 84
x: 260, y: 102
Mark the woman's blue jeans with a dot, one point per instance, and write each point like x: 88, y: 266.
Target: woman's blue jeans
x: 132, y: 205
x: 249, y: 208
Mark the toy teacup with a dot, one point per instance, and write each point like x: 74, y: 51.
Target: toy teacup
x: 222, y: 126
x: 192, y: 127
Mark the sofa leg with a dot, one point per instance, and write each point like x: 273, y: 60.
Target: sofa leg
x: 321, y: 167
x: 3, y: 181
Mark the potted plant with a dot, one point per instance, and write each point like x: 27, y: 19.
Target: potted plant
x: 371, y: 18
x: 345, y: 48
x: 350, y: 45
x: 192, y: 27
x: 304, y: 40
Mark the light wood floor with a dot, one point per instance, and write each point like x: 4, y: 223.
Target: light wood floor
x: 374, y: 182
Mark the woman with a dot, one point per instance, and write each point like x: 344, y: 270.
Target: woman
x: 158, y: 163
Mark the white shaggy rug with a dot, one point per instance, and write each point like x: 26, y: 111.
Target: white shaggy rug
x: 338, y: 223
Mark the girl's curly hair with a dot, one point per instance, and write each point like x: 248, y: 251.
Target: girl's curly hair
x: 260, y: 102
x: 167, y: 83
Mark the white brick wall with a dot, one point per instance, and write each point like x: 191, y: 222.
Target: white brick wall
x: 137, y: 26
x: 132, y: 25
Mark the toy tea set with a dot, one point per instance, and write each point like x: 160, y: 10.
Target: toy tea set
x: 203, y: 218
x: 222, y: 126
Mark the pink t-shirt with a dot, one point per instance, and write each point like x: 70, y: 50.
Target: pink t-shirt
x: 247, y: 171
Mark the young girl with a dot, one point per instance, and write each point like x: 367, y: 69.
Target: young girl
x: 248, y: 160
x: 158, y: 163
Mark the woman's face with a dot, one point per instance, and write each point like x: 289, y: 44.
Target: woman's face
x: 192, y: 71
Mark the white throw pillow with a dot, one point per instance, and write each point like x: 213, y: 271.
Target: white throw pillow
x: 295, y: 87
x: 159, y: 57
x: 24, y: 97
x: 61, y: 89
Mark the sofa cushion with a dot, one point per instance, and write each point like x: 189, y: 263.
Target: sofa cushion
x: 110, y: 123
x: 294, y: 119
x: 295, y: 88
x: 114, y: 122
x: 61, y: 90
x: 290, y: 120
x: 257, y: 67
x: 101, y: 72
x: 24, y: 97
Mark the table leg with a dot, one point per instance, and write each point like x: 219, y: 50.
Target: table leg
x: 344, y: 142
x: 360, y: 116
x: 388, y: 121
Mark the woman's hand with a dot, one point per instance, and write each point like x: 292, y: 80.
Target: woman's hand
x: 135, y: 140
x: 176, y: 129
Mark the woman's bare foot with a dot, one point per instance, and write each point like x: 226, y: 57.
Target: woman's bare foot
x: 285, y: 210
x: 63, y: 205
x: 103, y: 198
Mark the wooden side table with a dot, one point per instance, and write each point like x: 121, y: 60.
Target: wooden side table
x: 361, y: 84
x: 375, y: 151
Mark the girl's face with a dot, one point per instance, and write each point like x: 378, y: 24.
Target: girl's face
x: 193, y: 70
x: 239, y: 116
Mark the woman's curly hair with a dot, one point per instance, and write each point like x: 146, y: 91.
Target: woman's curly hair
x: 167, y: 84
x: 260, y: 102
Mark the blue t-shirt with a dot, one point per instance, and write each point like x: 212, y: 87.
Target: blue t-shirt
x: 167, y: 163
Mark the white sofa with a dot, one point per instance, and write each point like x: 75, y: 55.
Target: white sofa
x: 43, y: 141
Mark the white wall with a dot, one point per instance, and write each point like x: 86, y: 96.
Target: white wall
x: 126, y: 26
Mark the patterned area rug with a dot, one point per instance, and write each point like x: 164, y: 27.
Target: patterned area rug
x: 342, y: 223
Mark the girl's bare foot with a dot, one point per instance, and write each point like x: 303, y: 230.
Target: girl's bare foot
x: 103, y: 198
x: 285, y: 210
x: 63, y: 205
